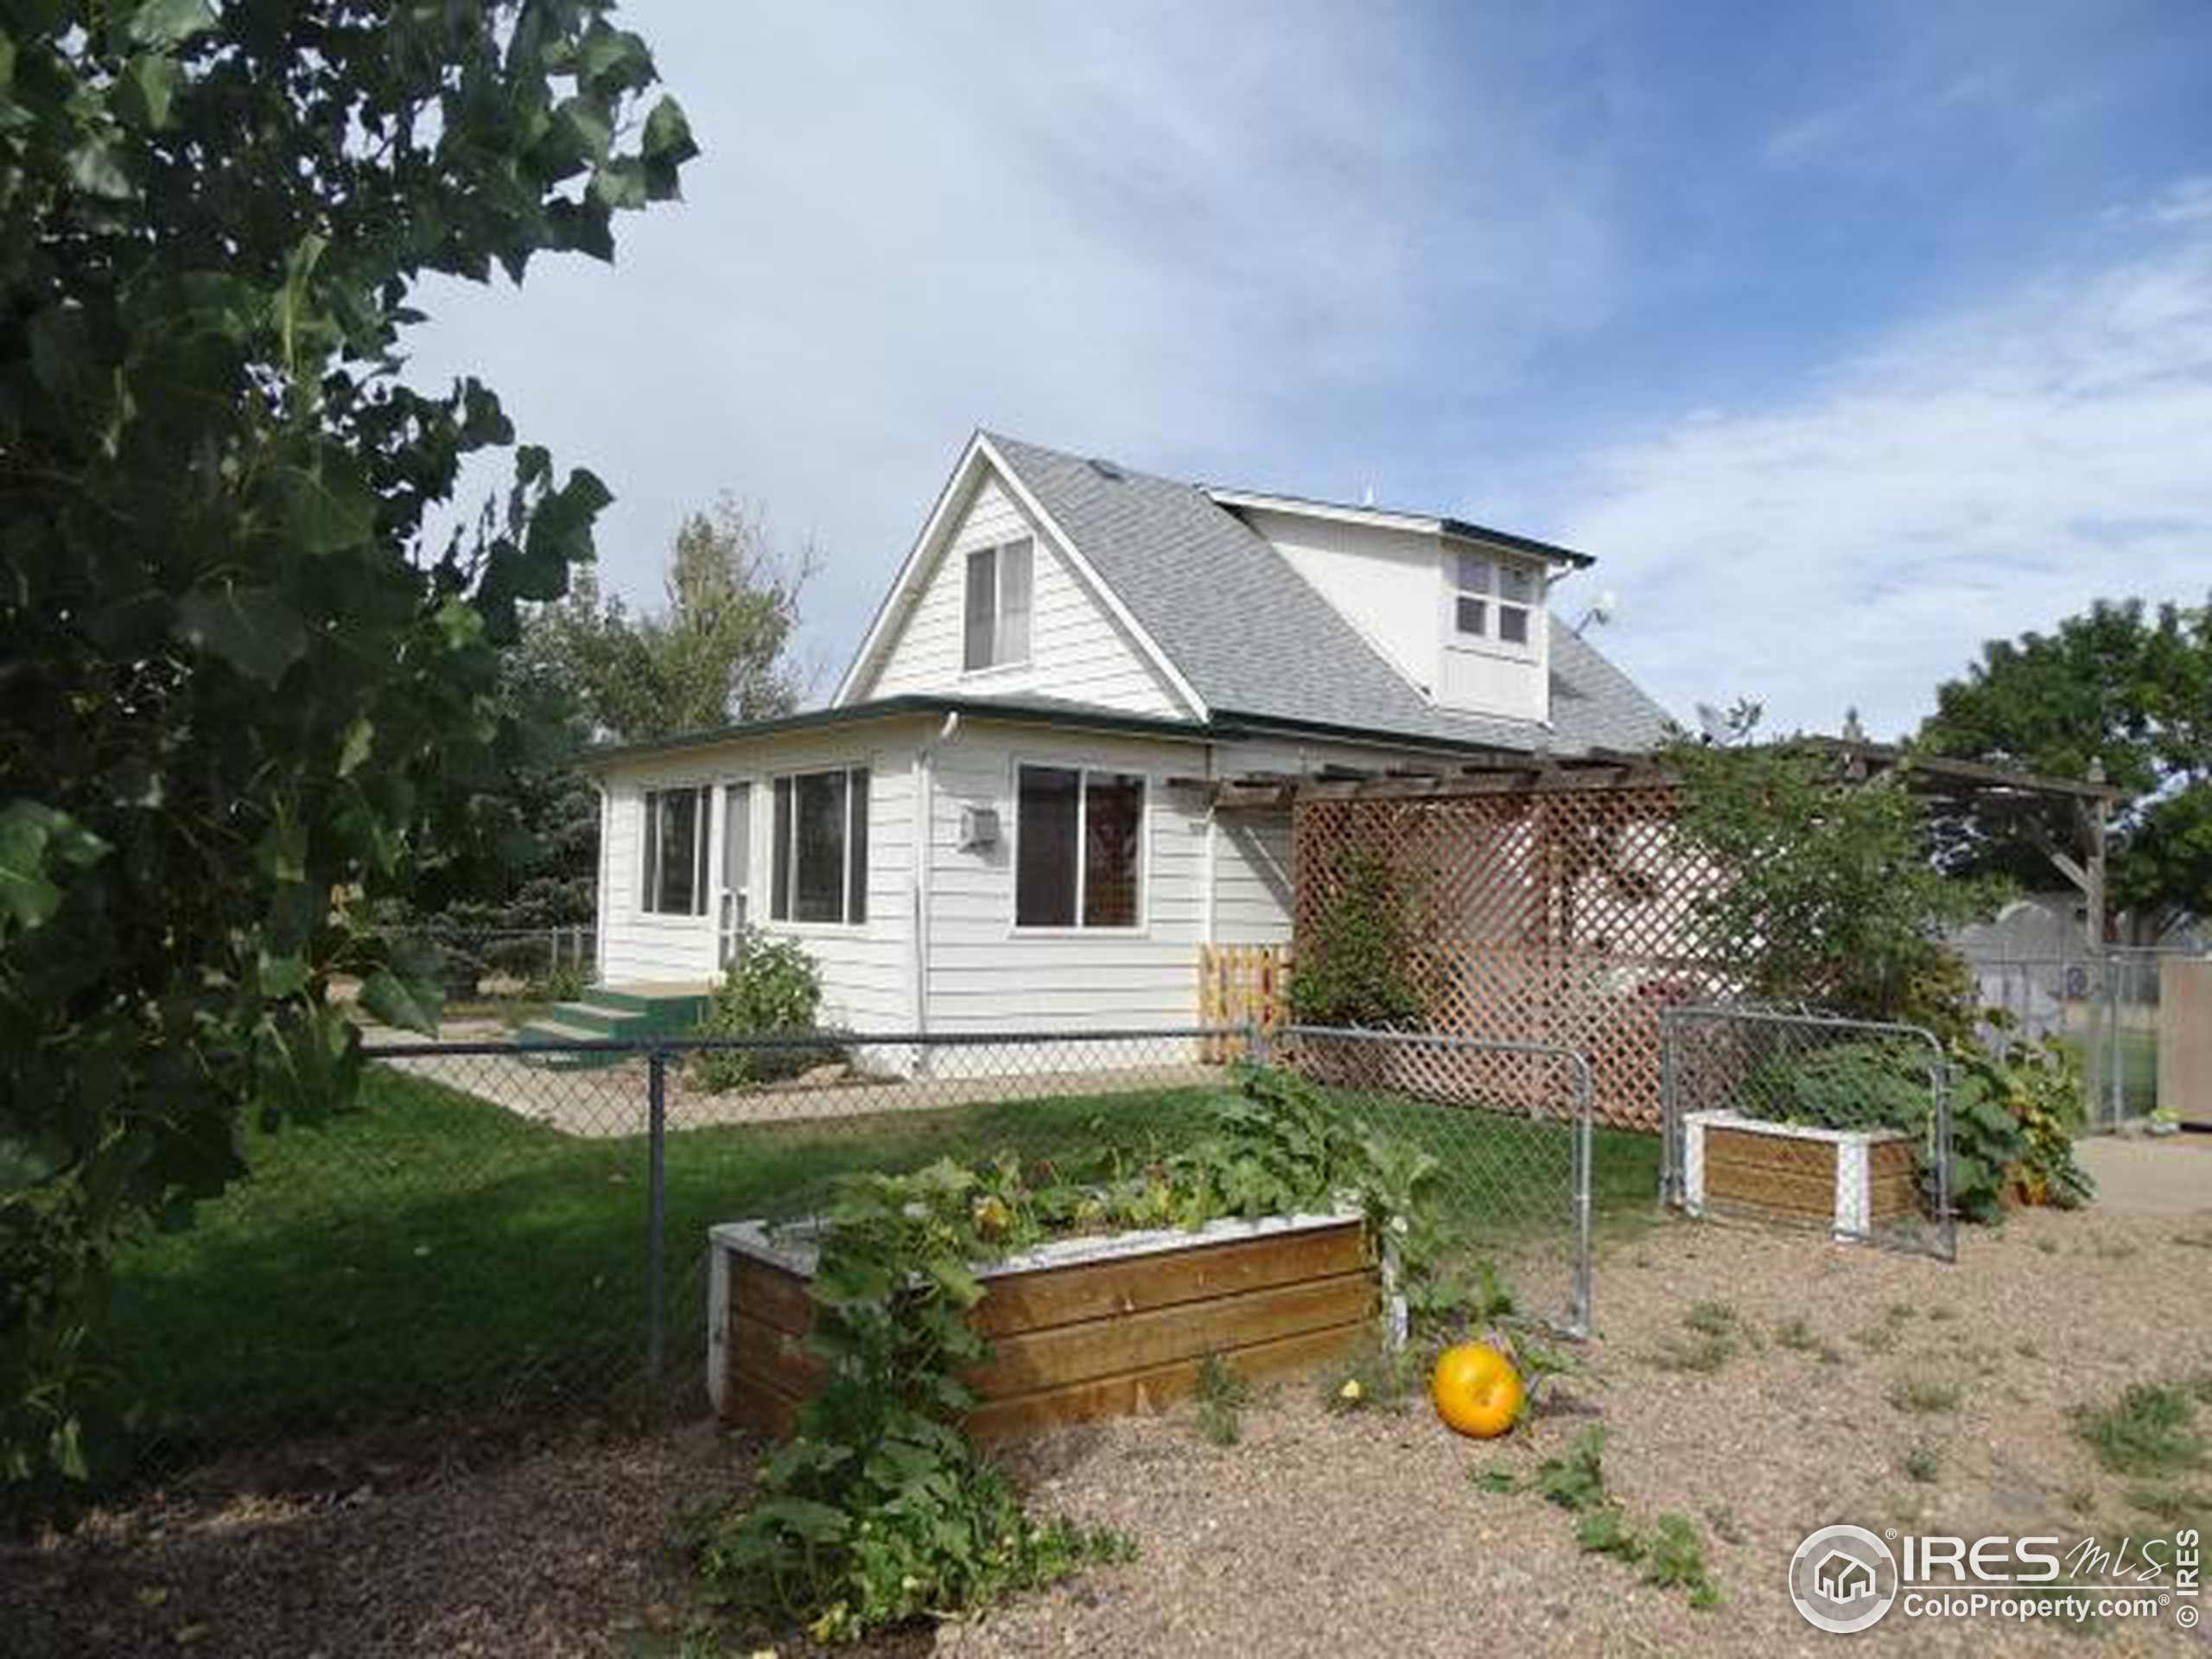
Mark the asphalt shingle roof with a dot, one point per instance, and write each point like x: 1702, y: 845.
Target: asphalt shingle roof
x: 1256, y: 639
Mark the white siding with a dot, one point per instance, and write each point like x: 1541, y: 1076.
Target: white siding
x: 1253, y: 893
x: 867, y: 970
x: 1390, y: 584
x: 1077, y: 651
x: 983, y: 975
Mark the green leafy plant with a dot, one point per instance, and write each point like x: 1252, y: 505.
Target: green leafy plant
x: 770, y: 988
x: 881, y: 1512
x: 2012, y: 1110
x: 254, y: 690
x: 1668, y: 1554
x: 1353, y: 961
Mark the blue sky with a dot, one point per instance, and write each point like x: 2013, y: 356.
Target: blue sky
x: 1846, y: 336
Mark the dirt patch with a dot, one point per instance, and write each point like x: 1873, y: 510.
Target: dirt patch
x: 1326, y: 1535
x: 564, y: 1549
x: 1320, y: 1534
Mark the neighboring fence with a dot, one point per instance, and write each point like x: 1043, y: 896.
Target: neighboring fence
x: 507, y: 1229
x: 1841, y: 1124
x: 502, y: 963
x: 1242, y: 985
x: 2105, y: 1006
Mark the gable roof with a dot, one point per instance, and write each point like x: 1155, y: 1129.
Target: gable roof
x: 1259, y: 644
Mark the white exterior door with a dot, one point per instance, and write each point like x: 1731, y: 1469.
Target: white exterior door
x: 734, y: 886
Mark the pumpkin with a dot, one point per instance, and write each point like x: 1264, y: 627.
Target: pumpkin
x: 1476, y: 1389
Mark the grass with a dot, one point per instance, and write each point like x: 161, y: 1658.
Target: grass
x: 1923, y: 1396
x: 431, y: 1253
x: 2149, y: 1431
x: 1222, y: 1397
x: 1923, y: 1463
x: 1716, y: 1333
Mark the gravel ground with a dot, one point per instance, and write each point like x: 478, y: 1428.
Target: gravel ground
x: 1320, y: 1534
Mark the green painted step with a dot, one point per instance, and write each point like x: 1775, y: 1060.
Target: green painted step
x: 609, y: 1011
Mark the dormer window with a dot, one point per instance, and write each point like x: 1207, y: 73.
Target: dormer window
x: 997, y: 607
x: 1494, y: 600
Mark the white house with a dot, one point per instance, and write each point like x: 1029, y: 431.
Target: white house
x: 1004, y: 818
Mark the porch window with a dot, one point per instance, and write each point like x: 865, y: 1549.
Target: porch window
x: 676, y: 839
x: 820, y: 871
x: 1492, y: 599
x: 997, y: 606
x: 1079, y: 841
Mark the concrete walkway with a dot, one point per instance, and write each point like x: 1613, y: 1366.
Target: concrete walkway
x: 2150, y: 1175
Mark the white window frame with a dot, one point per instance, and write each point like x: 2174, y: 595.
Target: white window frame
x: 996, y: 553
x: 790, y: 921
x: 1141, y: 927
x: 649, y: 847
x: 1489, y: 593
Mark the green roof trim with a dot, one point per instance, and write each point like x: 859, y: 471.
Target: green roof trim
x: 1224, y: 727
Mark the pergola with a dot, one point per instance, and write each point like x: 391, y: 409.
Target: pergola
x: 2065, y: 818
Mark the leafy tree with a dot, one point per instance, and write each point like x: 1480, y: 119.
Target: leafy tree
x: 585, y: 668
x: 719, y: 653
x: 243, y: 703
x: 2128, y: 690
x: 1824, y: 888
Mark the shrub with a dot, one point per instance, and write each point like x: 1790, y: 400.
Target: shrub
x: 772, y: 989
x: 1353, y: 969
x: 2013, y: 1112
x: 1824, y: 888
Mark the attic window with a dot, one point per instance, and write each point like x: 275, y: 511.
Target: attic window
x: 997, y: 606
x: 1493, y: 599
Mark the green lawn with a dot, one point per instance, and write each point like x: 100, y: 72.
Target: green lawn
x: 431, y: 1253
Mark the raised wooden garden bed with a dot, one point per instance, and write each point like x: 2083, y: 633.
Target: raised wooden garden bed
x: 1079, y: 1329
x: 1851, y: 1180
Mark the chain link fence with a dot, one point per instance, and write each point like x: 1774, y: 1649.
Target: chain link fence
x: 491, y: 969
x: 2104, y: 1006
x: 1809, y: 1119
x: 513, y: 1230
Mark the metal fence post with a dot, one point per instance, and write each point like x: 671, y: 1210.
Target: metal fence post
x: 655, y: 1213
x: 1670, y: 1082
x: 1256, y: 1041
x: 1586, y: 1109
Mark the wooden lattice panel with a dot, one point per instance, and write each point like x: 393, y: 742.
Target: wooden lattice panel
x: 1562, y: 915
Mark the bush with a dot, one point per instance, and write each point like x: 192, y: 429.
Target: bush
x: 1353, y: 969
x: 772, y: 989
x: 2013, y: 1112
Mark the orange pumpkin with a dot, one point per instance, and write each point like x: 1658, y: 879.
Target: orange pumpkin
x: 1476, y: 1389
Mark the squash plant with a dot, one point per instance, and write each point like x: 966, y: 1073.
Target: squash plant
x: 880, y: 1512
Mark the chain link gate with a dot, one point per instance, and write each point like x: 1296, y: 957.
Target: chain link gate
x: 1809, y: 1119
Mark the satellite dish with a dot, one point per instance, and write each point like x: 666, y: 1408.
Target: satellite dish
x: 1714, y: 724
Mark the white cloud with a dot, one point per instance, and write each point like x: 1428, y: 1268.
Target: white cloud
x: 1970, y: 479
x: 1193, y: 237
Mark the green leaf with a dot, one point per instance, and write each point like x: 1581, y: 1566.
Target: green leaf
x: 326, y: 510
x: 170, y: 22
x: 95, y: 168
x: 360, y: 739
x: 282, y: 976
x: 255, y: 630
x: 394, y: 1000
x: 33, y: 838
x: 620, y: 183
x: 144, y: 89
